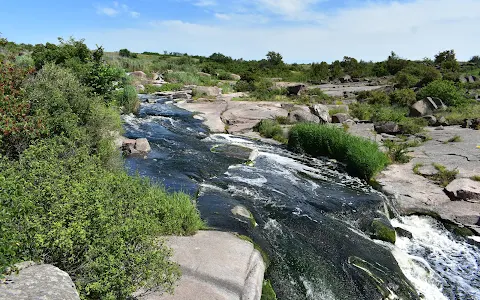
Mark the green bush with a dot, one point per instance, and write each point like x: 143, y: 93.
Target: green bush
x: 362, y: 157
x: 406, y: 80
x: 166, y: 87
x: 456, y: 115
x: 128, y: 99
x: 445, y: 90
x: 403, y: 97
x: 373, y: 97
x: 127, y: 53
x: 59, y: 206
x: 270, y: 129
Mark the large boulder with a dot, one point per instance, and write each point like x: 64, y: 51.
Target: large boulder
x: 426, y: 107
x: 464, y: 189
x: 340, y: 118
x: 235, y: 77
x: 296, y: 90
x: 322, y: 112
x: 38, y: 282
x: 346, y: 78
x: 139, y: 74
x: 142, y: 145
x: 300, y: 115
x: 208, y: 91
x: 387, y: 127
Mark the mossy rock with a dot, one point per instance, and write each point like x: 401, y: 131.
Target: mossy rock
x: 381, y: 229
x: 267, y: 291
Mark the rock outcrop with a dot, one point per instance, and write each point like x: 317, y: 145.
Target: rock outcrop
x: 426, y: 107
x: 138, y: 146
x: 215, y: 265
x: 208, y: 91
x: 300, y: 116
x: 340, y: 118
x: 464, y: 189
x: 322, y: 112
x: 387, y: 127
x: 38, y: 282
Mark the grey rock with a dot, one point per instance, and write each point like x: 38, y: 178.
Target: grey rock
x: 440, y: 128
x: 138, y: 74
x: 209, y: 91
x: 215, y: 265
x: 203, y: 74
x: 432, y: 120
x: 387, y: 127
x: 142, y: 145
x: 38, y: 282
x: 426, y: 106
x: 467, y: 123
x: 296, y: 90
x: 322, y: 112
x: 301, y: 115
x: 340, y: 118
x: 464, y: 189
x: 442, y: 121
x: 403, y: 233
x: 235, y: 77
x: 345, y: 79
x: 349, y: 123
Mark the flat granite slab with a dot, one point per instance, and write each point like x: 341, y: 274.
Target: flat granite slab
x: 215, y: 265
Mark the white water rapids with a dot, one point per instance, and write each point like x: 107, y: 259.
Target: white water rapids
x: 439, y: 265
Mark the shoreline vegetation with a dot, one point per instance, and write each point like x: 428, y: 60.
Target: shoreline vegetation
x: 66, y: 199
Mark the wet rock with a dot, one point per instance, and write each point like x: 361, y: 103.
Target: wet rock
x: 403, y: 233
x: 38, y: 282
x: 340, y: 118
x: 142, y: 145
x: 387, y: 127
x: 209, y: 91
x: 322, y: 112
x: 381, y: 229
x: 296, y: 90
x: 464, y: 189
x: 299, y: 116
x: 426, y: 106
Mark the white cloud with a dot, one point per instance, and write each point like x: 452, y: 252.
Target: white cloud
x: 116, y: 9
x: 416, y: 29
x: 223, y: 16
x: 204, y: 3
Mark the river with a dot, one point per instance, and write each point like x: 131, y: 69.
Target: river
x: 307, y: 212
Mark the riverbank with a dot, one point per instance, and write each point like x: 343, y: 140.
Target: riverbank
x: 412, y: 191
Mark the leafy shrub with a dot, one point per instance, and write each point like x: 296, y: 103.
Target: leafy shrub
x: 456, y: 115
x: 403, y: 97
x: 127, y: 53
x: 128, y: 99
x: 19, y: 124
x: 59, y: 206
x: 166, y: 87
x: 362, y: 157
x: 373, y: 97
x: 443, y: 89
x: 270, y: 129
x: 361, y: 111
x: 412, y: 125
x: 406, y: 80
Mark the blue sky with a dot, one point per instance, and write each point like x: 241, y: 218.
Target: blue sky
x: 301, y: 30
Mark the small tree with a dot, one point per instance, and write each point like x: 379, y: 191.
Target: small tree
x: 447, y: 60
x: 275, y: 59
x: 395, y: 64
x: 319, y: 71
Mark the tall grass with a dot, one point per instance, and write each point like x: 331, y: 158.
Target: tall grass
x: 271, y: 129
x: 362, y: 157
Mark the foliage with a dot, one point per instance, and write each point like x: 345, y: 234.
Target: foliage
x: 66, y: 50
x: 319, y: 72
x: 374, y: 97
x: 187, y: 78
x: 61, y: 207
x: 19, y: 125
x: 447, y: 61
x: 445, y: 90
x: 395, y: 64
x: 127, y: 53
x: 270, y: 129
x: 475, y: 178
x: 127, y: 98
x: 403, y: 97
x: 444, y: 176
x: 397, y: 152
x: 267, y: 291
x: 456, y: 115
x: 362, y: 157
x: 406, y: 80
x: 167, y: 87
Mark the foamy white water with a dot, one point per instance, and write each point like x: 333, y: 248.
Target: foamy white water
x: 439, y: 265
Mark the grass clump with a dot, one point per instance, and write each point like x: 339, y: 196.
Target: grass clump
x: 271, y: 129
x: 362, y: 157
x: 416, y: 169
x: 475, y: 178
x: 167, y: 87
x: 444, y: 176
x: 455, y: 139
x: 397, y: 152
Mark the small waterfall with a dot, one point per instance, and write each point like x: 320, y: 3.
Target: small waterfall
x: 440, y: 265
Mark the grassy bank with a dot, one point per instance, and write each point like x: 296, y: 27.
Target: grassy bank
x: 362, y: 157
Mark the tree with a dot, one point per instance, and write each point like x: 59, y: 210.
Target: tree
x: 274, y: 59
x: 350, y: 65
x: 336, y: 69
x: 475, y: 60
x: 448, y: 61
x: 319, y: 71
x: 395, y: 64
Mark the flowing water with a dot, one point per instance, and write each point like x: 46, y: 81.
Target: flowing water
x: 307, y: 213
